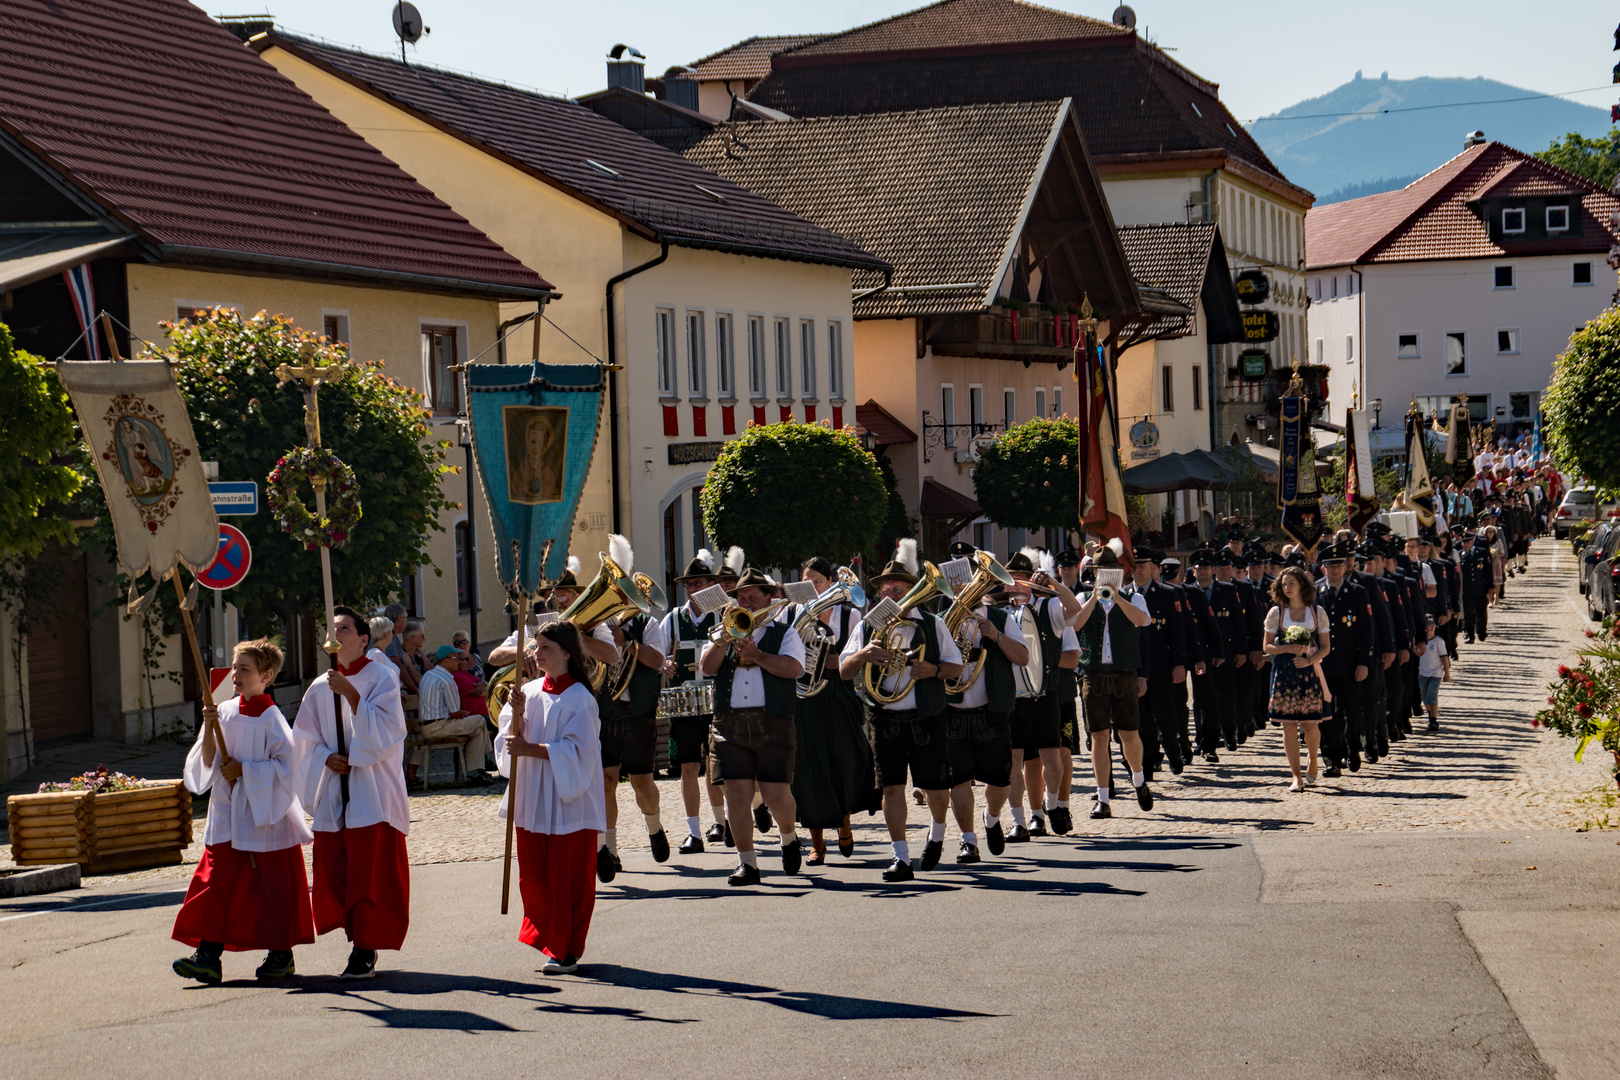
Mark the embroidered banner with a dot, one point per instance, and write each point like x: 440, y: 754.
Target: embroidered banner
x: 1459, y: 444
x: 1419, y: 489
x: 1296, y: 475
x: 533, y: 433
x: 1361, y: 494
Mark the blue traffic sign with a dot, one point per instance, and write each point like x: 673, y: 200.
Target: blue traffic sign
x: 235, y: 496
x: 232, y: 563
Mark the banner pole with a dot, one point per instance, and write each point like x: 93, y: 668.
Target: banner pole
x: 516, y: 700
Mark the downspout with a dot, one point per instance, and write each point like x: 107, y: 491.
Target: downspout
x: 613, y: 379
x: 888, y: 276
x: 1361, y: 330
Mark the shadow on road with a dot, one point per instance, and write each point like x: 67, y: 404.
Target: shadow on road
x: 827, y: 1006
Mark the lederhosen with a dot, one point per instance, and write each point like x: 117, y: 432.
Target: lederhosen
x: 756, y: 743
x: 688, y: 735
x: 1037, y: 723
x: 979, y: 740
x: 914, y: 738
x: 630, y: 728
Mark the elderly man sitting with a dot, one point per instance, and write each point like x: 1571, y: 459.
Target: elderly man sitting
x: 439, y: 709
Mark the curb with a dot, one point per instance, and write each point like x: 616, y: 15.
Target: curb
x: 42, y: 879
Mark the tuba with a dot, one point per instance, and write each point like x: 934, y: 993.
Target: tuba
x: 933, y: 584
x: 611, y: 595
x: 989, y: 577
x: 618, y: 675
x: 846, y: 590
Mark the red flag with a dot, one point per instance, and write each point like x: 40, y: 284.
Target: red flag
x: 1102, y: 492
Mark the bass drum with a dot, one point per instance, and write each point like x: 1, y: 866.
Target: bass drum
x: 1030, y: 678
x: 500, y: 688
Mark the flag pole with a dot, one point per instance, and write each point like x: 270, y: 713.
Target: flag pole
x: 210, y: 711
x: 515, y: 700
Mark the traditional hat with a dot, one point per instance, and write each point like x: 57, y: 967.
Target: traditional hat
x: 570, y: 577
x: 1109, y: 558
x: 1020, y: 564
x: 700, y: 566
x: 731, y: 567
x: 904, y: 565
x: 757, y: 579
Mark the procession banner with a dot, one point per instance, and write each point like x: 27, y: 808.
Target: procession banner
x: 533, y: 433
x: 1459, y: 444
x: 1419, y: 489
x: 1297, y: 495
x: 1102, y: 492
x: 1361, y: 493
x: 146, y: 456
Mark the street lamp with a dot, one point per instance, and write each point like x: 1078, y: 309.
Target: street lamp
x: 1378, y: 408
x: 869, y: 441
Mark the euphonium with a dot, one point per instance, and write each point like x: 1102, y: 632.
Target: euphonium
x: 610, y: 594
x: 933, y: 584
x: 618, y: 675
x: 989, y: 577
x: 846, y: 590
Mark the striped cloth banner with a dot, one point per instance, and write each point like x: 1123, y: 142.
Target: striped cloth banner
x: 83, y: 292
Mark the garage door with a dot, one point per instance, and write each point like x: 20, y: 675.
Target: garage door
x: 59, y: 655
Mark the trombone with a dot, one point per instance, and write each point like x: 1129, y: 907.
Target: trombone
x: 737, y: 622
x: 932, y: 585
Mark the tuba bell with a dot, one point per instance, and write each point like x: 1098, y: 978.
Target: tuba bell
x: 611, y: 594
x: 989, y: 577
x: 846, y: 590
x: 618, y: 675
x: 932, y: 584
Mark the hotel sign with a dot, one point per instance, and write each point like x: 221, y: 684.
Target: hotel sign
x: 1260, y: 326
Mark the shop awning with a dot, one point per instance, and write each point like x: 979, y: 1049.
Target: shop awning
x: 956, y: 508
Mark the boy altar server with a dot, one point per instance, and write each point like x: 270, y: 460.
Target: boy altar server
x: 249, y: 891
x: 355, y: 791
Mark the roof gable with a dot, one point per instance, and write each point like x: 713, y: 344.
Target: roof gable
x: 1188, y: 262
x: 209, y: 154
x: 749, y: 59
x: 957, y: 23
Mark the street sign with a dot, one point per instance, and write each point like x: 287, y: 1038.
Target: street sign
x: 1260, y: 325
x: 1253, y: 287
x: 235, y: 496
x: 231, y: 565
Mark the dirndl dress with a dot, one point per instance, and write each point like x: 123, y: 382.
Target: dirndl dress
x: 1296, y: 692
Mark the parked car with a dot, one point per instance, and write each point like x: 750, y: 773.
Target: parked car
x: 1578, y: 509
x: 1601, y: 564
x: 1591, y: 546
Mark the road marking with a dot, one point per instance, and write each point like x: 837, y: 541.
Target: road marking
x: 94, y: 904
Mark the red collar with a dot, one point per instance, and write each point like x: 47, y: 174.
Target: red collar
x: 354, y: 667
x: 256, y: 705
x: 557, y: 686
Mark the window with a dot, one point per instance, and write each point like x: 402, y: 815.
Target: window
x: 1318, y: 352
x: 947, y: 413
x: 1504, y: 277
x: 1040, y: 403
x: 1009, y: 407
x: 1333, y: 291
x: 672, y: 546
x: 1349, y: 284
x: 1513, y: 221
x: 807, y: 358
x: 1557, y: 219
x: 756, y: 357
x: 1507, y: 341
x: 411, y: 595
x: 1057, y: 401
x: 1406, y: 347
x: 1198, y: 388
x: 1167, y: 389
x: 464, y: 572
x: 1318, y: 282
x: 335, y: 325
x: 984, y: 535
x: 1016, y: 538
x: 1349, y: 348
x: 835, y: 361
x: 664, y: 342
x: 438, y: 357
x: 784, y: 360
x: 1456, y: 352
x: 725, y: 348
x: 1581, y: 274
x: 1521, y: 406
x: 976, y: 409
x: 697, y: 357
x: 700, y: 538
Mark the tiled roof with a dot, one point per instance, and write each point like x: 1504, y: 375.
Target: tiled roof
x: 749, y: 59
x: 937, y: 193
x: 956, y: 23
x: 656, y: 192
x: 210, y: 154
x: 1431, y: 218
x: 882, y: 424
x: 1176, y: 259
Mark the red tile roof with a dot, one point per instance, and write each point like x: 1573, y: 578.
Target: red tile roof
x: 1431, y: 217
x: 882, y: 424
x: 956, y: 23
x: 657, y: 193
x: 210, y: 154
x: 749, y: 59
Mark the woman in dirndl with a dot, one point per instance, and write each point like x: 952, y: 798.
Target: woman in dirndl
x: 1296, y: 690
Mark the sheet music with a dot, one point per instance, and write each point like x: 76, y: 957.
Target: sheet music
x: 705, y: 602
x: 546, y: 618
x: 958, y: 572
x: 882, y: 613
x: 800, y: 592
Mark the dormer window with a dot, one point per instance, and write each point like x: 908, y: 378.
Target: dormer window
x: 1513, y: 221
x: 1557, y: 219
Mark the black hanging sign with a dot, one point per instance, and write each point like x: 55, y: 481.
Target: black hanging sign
x: 1253, y: 287
x: 1260, y: 326
x: 1252, y: 364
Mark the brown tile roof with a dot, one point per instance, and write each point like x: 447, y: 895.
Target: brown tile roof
x: 1431, y: 218
x: 882, y: 423
x: 209, y: 154
x: 749, y: 59
x: 954, y: 23
x: 1187, y: 263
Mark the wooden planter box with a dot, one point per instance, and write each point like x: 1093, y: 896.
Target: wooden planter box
x: 122, y: 830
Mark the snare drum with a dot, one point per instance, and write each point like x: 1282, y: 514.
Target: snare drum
x: 689, y: 699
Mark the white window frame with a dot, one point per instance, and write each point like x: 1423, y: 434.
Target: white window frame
x: 697, y: 355
x: 665, y: 356
x: 1333, y: 289
x: 1565, y: 210
x: 1450, y: 336
x: 456, y: 556
x: 975, y: 407
x: 342, y: 317
x: 1349, y: 348
x: 460, y: 328
x: 1319, y: 347
x: 1198, y: 387
x: 783, y: 340
x: 1009, y: 406
x: 947, y: 413
x: 725, y: 356
x: 1040, y: 402
x: 1417, y: 345
x: 835, y: 361
x: 1507, y: 230
x: 1167, y: 390
x: 1590, y: 276
x: 1512, y: 273
x: 807, y: 359
x: 1517, y: 341
x: 758, y: 375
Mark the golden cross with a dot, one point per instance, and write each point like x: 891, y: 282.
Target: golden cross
x: 310, y: 376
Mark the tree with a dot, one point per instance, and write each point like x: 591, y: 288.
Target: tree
x: 787, y: 492
x: 1583, y: 400
x: 897, y: 524
x: 36, y: 426
x: 225, y: 366
x: 1589, y: 158
x: 1029, y: 478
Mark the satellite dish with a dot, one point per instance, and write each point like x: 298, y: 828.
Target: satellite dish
x: 407, y: 22
x: 1124, y: 17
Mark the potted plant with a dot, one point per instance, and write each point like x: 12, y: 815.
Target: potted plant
x: 104, y: 820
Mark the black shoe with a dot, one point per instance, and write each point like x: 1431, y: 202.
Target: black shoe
x: 792, y: 857
x: 967, y: 853
x: 1211, y: 759
x: 277, y: 965
x: 362, y: 964
x: 1175, y: 768
x: 1354, y: 762
x: 899, y: 870
x: 1187, y: 752
x: 1332, y: 772
x: 1468, y: 641
x: 1144, y: 796
x: 1370, y: 757
x: 1062, y: 821
x: 1434, y: 726
x: 692, y: 845
x: 660, y: 845
x: 933, y: 851
x: 995, y: 839
x: 726, y: 835
x: 762, y: 818
x: 846, y: 848
x: 744, y: 875
x: 1019, y: 835
x: 715, y: 833
x: 606, y: 866
x: 202, y: 966
x: 1101, y: 810
x: 1037, y: 828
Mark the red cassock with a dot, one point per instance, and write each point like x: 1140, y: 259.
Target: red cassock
x: 557, y: 881
x: 248, y: 900
x: 363, y: 885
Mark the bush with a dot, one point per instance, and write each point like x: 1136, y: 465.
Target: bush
x: 37, y: 427
x: 1029, y: 478
x: 1584, y: 701
x: 1583, y: 400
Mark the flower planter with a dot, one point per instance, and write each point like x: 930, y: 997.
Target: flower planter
x: 120, y: 830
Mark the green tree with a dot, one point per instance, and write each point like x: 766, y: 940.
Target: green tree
x: 36, y: 427
x: 1029, y: 478
x: 1583, y: 400
x: 787, y: 492
x: 1588, y: 158
x: 897, y: 524
x: 225, y: 366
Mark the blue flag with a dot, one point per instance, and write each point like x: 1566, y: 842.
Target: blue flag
x: 1535, y: 433
x: 533, y: 433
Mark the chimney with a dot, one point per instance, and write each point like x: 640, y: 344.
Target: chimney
x: 1474, y: 138
x: 680, y: 89
x: 627, y: 68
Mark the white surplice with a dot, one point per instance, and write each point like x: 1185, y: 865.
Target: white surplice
x: 261, y: 811
x: 374, y: 738
x: 563, y: 793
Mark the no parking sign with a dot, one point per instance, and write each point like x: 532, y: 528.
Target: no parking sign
x: 231, y: 565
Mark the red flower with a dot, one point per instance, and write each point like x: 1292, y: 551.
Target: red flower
x: 1583, y: 709
x: 1535, y: 723
x: 1552, y: 701
x: 1563, y: 671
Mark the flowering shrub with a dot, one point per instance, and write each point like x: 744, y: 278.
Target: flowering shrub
x: 97, y: 781
x: 1584, y: 703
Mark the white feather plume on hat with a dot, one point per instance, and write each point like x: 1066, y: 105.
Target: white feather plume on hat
x: 620, y: 552
x: 706, y: 557
x: 573, y: 565
x: 1047, y: 563
x: 1033, y: 555
x: 1117, y: 546
x: 905, y: 553
x: 735, y: 559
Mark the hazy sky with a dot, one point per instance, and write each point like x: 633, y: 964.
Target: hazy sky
x: 1264, y: 55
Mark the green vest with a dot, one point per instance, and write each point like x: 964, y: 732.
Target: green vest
x: 998, y: 675
x: 1124, y: 639
x: 697, y: 632
x: 781, y: 695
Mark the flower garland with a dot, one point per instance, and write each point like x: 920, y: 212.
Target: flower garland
x: 299, y: 467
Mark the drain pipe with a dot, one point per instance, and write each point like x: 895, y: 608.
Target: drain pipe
x: 613, y: 379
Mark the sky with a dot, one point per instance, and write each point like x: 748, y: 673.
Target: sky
x: 1264, y: 55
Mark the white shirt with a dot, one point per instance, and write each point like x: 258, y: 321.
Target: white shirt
x: 1137, y: 600
x: 948, y: 654
x: 978, y: 695
x: 261, y: 811
x: 437, y: 695
x: 1428, y: 574
x: 652, y: 641
x: 1429, y: 664
x: 748, y: 684
x: 600, y: 633
x: 375, y: 741
x: 563, y: 793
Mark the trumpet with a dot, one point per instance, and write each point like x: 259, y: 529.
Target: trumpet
x: 737, y: 622
x: 933, y: 584
x: 846, y: 590
x: 989, y: 577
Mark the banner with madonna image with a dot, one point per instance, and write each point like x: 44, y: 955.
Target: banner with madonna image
x: 533, y: 433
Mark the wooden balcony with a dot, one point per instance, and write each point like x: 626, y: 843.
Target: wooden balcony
x: 1002, y: 334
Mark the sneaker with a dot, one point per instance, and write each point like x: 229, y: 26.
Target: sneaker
x: 362, y: 964
x: 200, y: 966
x: 1062, y: 821
x: 1144, y: 797
x: 277, y: 965
x: 762, y: 818
x: 995, y: 839
x: 692, y: 845
x: 1101, y: 810
x: 792, y: 857
x: 899, y: 870
x: 1019, y: 835
x: 566, y: 966
x: 715, y: 834
x: 966, y: 853
x: 606, y: 866
x: 660, y: 846
x: 1037, y: 827
x: 744, y: 875
x: 933, y: 851
x: 1434, y: 725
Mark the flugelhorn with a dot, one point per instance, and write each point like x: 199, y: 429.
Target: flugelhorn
x: 846, y: 590
x: 989, y: 577
x: 933, y: 584
x: 737, y: 622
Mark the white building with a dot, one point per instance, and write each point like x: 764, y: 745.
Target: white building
x: 1469, y: 280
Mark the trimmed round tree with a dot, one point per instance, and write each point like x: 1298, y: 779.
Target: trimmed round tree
x: 787, y: 492
x: 1581, y: 404
x: 1029, y: 478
